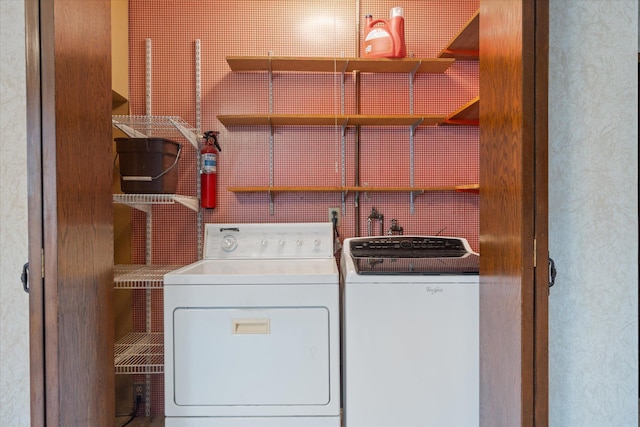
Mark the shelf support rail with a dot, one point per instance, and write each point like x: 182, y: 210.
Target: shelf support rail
x: 271, y: 167
x: 147, y: 81
x: 412, y: 133
x: 342, y: 88
x: 343, y: 142
x: 356, y: 145
x: 271, y: 136
x: 270, y: 83
x: 271, y: 195
x: 195, y: 141
x: 149, y: 219
x: 198, y: 87
x: 343, y: 160
x: 412, y: 77
x: 147, y: 298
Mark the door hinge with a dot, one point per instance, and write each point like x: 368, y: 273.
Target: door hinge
x: 42, y: 263
x: 535, y: 253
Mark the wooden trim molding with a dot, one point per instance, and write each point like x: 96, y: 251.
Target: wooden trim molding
x: 34, y: 183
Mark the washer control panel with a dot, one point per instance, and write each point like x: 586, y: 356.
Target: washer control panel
x: 282, y: 240
x: 409, y: 247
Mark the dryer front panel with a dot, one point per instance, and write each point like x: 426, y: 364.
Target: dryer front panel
x: 252, y: 357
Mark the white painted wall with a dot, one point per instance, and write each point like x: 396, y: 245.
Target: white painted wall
x: 593, y: 215
x: 14, y: 303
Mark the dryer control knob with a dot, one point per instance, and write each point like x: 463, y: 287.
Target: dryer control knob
x: 317, y: 242
x: 229, y: 243
x: 282, y: 242
x: 299, y: 242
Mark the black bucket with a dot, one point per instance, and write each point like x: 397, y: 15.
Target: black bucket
x: 148, y: 165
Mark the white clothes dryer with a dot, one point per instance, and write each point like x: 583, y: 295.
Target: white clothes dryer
x: 252, y: 330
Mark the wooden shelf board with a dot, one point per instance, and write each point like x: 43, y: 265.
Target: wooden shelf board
x: 468, y: 114
x: 329, y: 120
x: 404, y: 65
x: 466, y: 44
x: 281, y: 120
x: 306, y: 120
x: 472, y: 188
x: 285, y: 189
x: 338, y: 65
x: 117, y: 99
x: 396, y: 120
x: 244, y: 120
x: 465, y: 188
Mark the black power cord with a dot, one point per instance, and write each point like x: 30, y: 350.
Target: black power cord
x: 134, y: 412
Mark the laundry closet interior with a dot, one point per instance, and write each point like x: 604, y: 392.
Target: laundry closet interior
x: 305, y: 125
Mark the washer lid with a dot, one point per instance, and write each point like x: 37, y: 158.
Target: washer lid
x: 258, y: 272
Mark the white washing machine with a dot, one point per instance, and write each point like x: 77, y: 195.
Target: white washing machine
x: 252, y: 330
x: 410, y: 332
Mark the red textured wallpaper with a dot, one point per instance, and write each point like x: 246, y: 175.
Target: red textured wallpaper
x: 444, y: 155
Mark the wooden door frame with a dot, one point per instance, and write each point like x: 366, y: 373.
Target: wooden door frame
x: 530, y: 393
x: 68, y: 54
x: 541, y: 221
x: 513, y: 213
x: 35, y: 220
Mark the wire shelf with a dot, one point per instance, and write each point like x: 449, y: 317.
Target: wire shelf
x: 141, y: 276
x: 140, y: 353
x: 144, y: 202
x: 170, y: 127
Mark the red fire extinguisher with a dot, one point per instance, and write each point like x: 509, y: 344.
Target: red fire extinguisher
x: 208, y: 164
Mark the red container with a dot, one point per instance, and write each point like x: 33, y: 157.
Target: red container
x: 385, y: 39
